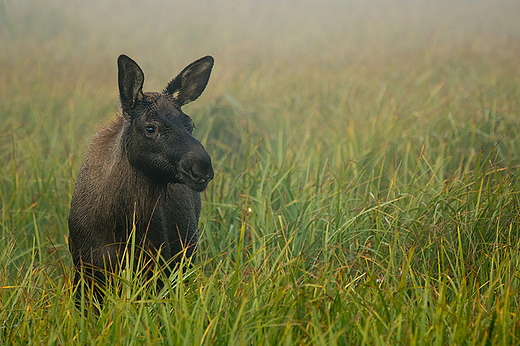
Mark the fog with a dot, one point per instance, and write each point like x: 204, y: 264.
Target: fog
x: 82, y: 39
x: 242, y: 30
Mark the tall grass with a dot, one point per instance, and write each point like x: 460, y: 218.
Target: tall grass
x: 366, y: 159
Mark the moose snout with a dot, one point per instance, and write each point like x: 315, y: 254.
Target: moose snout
x: 198, y: 170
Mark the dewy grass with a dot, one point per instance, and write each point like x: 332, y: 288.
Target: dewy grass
x: 366, y: 159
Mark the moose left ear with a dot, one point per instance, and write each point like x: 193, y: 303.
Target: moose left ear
x: 191, y: 82
x: 131, y: 80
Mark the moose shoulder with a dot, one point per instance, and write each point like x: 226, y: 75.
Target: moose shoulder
x: 145, y: 171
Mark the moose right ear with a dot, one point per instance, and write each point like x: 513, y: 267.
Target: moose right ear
x: 191, y: 82
x: 131, y: 80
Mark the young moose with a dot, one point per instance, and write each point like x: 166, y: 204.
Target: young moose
x: 145, y: 169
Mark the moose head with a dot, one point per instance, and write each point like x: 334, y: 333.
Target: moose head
x: 158, y: 134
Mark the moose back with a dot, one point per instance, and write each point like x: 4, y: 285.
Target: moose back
x: 144, y: 172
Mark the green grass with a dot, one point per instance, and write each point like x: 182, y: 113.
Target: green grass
x: 366, y: 156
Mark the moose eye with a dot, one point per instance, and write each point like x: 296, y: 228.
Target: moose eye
x: 150, y: 129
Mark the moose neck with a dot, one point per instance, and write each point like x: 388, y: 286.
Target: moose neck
x: 139, y: 194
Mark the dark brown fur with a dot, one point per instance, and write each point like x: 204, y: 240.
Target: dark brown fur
x: 145, y: 169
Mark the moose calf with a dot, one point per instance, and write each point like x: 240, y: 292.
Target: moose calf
x: 145, y: 170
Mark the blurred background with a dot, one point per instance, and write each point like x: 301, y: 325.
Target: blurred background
x: 269, y: 55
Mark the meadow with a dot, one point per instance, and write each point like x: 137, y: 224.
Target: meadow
x: 366, y: 155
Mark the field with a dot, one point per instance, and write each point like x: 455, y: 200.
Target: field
x: 367, y: 187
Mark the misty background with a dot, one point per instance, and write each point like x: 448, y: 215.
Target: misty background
x: 163, y: 36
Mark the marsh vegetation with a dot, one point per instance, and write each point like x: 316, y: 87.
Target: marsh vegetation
x: 366, y: 157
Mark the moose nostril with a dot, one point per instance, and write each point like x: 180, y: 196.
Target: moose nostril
x: 194, y: 175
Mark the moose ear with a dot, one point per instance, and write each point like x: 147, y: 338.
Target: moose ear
x: 131, y: 80
x: 191, y: 82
